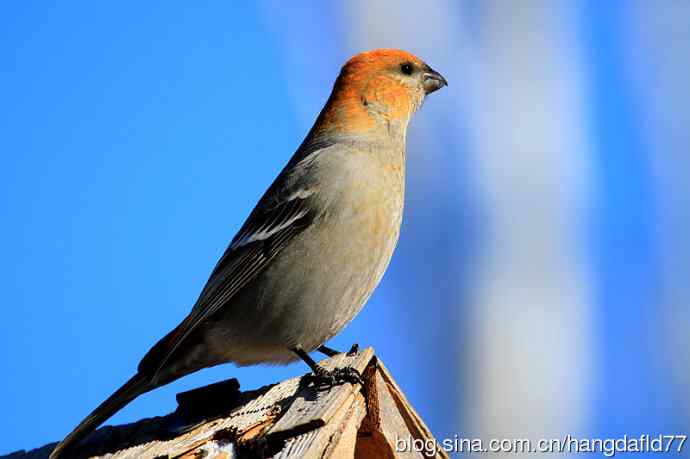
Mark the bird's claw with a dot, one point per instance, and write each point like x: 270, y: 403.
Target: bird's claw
x: 325, y: 379
x: 349, y: 374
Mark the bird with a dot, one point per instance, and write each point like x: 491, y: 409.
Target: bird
x: 313, y: 249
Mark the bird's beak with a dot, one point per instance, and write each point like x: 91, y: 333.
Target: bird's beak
x: 432, y: 80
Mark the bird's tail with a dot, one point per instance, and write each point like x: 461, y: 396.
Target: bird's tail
x: 136, y: 386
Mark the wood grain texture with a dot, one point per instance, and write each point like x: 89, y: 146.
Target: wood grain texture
x: 288, y: 420
x: 316, y: 408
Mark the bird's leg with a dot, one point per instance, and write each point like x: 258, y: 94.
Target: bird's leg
x: 330, y: 352
x: 323, y: 378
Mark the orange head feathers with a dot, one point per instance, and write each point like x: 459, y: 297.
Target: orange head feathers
x: 378, y: 88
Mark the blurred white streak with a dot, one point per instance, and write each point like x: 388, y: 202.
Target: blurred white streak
x: 661, y: 63
x: 533, y: 346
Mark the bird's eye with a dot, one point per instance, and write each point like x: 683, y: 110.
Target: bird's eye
x: 406, y: 68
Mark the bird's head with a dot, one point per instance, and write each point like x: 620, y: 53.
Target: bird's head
x: 379, y: 88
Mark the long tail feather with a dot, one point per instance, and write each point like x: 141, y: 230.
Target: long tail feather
x: 136, y: 386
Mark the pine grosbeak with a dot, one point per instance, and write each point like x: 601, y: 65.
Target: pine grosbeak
x: 314, y: 248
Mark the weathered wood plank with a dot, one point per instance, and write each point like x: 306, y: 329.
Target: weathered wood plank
x: 416, y: 426
x: 312, y: 408
x: 259, y: 411
x: 343, y: 441
x: 286, y: 421
x: 386, y: 425
x: 390, y: 420
x: 323, y: 441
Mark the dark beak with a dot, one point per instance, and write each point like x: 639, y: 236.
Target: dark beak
x: 432, y: 80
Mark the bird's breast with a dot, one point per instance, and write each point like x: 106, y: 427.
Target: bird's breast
x: 365, y: 207
x: 337, y: 262
x: 359, y: 224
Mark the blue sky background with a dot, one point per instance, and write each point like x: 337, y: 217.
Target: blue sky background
x: 134, y: 140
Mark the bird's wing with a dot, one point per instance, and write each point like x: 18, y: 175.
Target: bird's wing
x: 279, y: 216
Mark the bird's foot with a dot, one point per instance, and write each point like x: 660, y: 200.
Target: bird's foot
x: 325, y: 379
